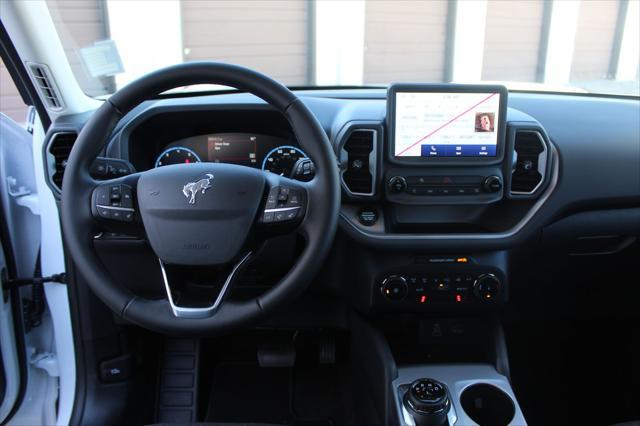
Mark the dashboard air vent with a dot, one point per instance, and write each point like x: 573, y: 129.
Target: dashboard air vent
x: 60, y: 148
x: 530, y: 162
x: 46, y: 85
x: 358, y: 156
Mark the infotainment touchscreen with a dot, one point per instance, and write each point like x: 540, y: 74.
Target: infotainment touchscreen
x: 438, y: 123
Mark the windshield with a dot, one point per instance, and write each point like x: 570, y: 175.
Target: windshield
x: 577, y: 46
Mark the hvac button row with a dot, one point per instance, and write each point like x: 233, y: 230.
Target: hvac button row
x: 443, y: 191
x: 423, y: 283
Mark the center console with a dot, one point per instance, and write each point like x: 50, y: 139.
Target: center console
x: 435, y: 196
x: 460, y: 395
x: 439, y: 191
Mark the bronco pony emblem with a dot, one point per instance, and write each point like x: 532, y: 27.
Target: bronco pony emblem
x: 192, y: 188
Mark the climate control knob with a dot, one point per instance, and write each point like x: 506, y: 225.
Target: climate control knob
x: 487, y: 287
x: 397, y: 184
x: 394, y: 287
x: 492, y: 184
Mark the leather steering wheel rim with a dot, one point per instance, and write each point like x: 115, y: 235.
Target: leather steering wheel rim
x: 79, y: 227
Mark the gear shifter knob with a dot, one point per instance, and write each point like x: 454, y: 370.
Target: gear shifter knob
x: 427, y: 400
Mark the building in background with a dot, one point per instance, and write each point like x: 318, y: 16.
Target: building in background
x: 307, y: 42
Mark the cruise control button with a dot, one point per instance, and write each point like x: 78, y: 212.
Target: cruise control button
x: 117, y: 215
x: 294, y: 199
x: 127, y: 197
x: 291, y: 214
x: 104, y: 212
x: 283, y: 195
x: 102, y: 195
x: 268, y: 217
x: 127, y: 216
x: 272, y: 198
x: 271, y: 202
x: 279, y: 217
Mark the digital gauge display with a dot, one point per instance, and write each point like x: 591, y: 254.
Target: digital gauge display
x: 235, y: 148
x: 271, y: 153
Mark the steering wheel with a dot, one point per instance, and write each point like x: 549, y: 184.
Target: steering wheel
x: 203, y: 214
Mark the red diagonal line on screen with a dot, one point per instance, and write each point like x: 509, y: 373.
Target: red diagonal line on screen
x: 444, y: 125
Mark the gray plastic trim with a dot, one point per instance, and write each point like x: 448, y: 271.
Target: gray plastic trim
x: 206, y: 312
x: 372, y: 159
x: 542, y: 162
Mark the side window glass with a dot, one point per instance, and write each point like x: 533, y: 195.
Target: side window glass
x: 11, y: 103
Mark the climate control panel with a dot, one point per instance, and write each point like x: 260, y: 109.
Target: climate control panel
x: 444, y: 185
x: 442, y: 287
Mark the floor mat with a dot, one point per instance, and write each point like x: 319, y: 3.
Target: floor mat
x: 245, y: 392
x: 300, y: 396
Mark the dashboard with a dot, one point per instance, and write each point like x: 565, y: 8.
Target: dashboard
x: 440, y: 183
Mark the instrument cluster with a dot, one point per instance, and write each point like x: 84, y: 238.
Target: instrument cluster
x: 271, y: 153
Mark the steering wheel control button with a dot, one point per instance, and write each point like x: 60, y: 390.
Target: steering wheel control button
x: 104, y: 212
x: 110, y: 168
x: 272, y: 198
x: 291, y: 214
x: 284, y: 204
x: 294, y: 199
x: 115, y: 196
x: 394, y: 288
x: 126, y: 199
x: 283, y: 194
x: 268, y: 217
x: 114, y: 202
x: 103, y: 196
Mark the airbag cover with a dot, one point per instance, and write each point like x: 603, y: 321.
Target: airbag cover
x: 199, y: 214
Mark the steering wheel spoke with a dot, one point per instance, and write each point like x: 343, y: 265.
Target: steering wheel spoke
x: 202, y: 310
x: 114, y: 206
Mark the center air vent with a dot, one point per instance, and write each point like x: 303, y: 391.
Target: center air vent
x: 59, y: 150
x: 46, y: 85
x: 358, y: 156
x: 530, y: 162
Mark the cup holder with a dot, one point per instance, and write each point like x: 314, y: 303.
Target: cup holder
x: 487, y: 405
